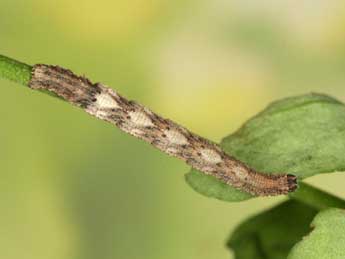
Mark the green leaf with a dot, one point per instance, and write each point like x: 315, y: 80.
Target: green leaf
x: 326, y: 240
x: 211, y: 187
x: 303, y: 135
x: 271, y: 234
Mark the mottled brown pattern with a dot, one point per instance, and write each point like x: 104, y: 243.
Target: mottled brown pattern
x: 169, y: 137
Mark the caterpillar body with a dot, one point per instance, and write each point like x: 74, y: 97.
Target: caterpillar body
x: 106, y: 104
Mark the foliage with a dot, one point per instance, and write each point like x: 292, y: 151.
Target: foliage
x: 327, y: 238
x: 271, y: 234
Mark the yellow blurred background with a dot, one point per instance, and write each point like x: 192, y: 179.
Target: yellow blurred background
x: 75, y: 187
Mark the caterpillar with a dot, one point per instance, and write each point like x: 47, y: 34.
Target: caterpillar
x: 106, y: 104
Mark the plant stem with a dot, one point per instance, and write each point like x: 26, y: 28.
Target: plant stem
x: 14, y: 70
x: 18, y: 72
x: 316, y: 198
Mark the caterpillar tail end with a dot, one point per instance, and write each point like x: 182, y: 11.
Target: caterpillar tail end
x: 292, y: 182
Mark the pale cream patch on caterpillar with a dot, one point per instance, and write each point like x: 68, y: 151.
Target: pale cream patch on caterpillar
x: 175, y: 137
x: 106, y: 100
x: 241, y: 173
x: 140, y: 119
x: 210, y: 156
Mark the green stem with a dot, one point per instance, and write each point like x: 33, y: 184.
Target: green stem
x: 316, y: 198
x: 14, y: 70
x: 18, y: 72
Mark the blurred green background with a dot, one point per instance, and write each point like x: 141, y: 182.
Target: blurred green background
x: 75, y: 187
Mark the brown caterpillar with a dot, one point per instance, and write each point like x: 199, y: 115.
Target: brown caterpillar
x: 169, y: 137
